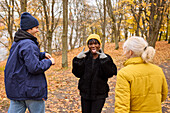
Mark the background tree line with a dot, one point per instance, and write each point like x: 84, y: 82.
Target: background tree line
x: 66, y: 24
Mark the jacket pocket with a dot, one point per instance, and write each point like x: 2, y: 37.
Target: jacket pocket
x: 83, y: 85
x: 11, y: 88
x: 32, y: 91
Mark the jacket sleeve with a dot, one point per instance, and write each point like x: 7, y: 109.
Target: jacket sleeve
x: 164, y: 89
x: 42, y: 55
x: 108, y: 67
x: 31, y: 56
x: 122, y: 94
x: 78, y: 67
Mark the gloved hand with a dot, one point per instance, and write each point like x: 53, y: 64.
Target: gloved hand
x: 102, y: 55
x: 82, y: 54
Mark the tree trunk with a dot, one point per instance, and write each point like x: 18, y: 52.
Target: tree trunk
x: 114, y: 25
x: 116, y: 41
x: 167, y: 32
x: 92, y: 30
x: 160, y: 36
x: 84, y: 35
x: 126, y: 33
x: 155, y: 23
x: 104, y: 24
x: 71, y: 37
x: 112, y: 38
x: 23, y: 5
x: 43, y: 35
x: 49, y: 37
x: 10, y: 21
x: 64, y: 37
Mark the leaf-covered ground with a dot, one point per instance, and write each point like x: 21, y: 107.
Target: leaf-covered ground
x: 63, y: 96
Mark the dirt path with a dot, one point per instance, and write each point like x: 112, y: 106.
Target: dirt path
x: 64, y: 96
x: 166, y: 68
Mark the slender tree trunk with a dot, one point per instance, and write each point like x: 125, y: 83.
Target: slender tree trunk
x: 92, y: 30
x: 112, y: 39
x: 64, y: 37
x: 23, y: 5
x: 126, y: 33
x: 104, y: 25
x: 71, y: 37
x: 10, y: 20
x: 49, y: 37
x: 160, y: 36
x: 155, y: 23
x: 44, y: 40
x: 84, y: 35
x: 167, y: 32
x: 114, y: 24
x: 116, y: 41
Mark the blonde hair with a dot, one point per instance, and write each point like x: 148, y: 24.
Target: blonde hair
x: 140, y: 48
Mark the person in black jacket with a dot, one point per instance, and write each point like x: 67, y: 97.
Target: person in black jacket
x: 25, y: 81
x: 93, y: 67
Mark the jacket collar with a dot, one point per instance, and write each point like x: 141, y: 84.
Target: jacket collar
x: 134, y: 60
x: 21, y: 35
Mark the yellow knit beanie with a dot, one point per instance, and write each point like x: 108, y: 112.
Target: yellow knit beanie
x: 94, y: 36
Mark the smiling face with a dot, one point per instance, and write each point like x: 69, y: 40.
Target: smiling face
x: 33, y: 31
x: 93, y: 46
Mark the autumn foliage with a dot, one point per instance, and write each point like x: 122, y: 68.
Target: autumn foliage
x: 63, y: 94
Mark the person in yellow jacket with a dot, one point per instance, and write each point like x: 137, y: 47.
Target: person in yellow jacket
x: 141, y: 86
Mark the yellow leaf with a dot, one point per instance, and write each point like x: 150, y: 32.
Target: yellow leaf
x: 10, y: 6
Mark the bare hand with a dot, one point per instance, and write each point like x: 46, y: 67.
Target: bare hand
x: 52, y: 60
x: 47, y: 55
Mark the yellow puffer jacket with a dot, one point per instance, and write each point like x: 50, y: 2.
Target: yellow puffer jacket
x: 140, y: 88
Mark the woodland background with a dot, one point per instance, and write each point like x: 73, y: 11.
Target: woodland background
x: 64, y: 28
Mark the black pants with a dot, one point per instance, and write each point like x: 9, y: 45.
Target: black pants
x: 92, y: 106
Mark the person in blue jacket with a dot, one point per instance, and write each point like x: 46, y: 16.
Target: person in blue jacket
x: 25, y: 81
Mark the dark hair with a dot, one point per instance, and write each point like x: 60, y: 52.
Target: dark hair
x: 93, y: 41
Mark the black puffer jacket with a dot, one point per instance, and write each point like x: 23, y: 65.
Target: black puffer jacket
x: 93, y: 74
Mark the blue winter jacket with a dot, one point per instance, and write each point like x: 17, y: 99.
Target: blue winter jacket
x: 25, y: 67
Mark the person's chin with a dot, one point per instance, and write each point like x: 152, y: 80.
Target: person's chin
x: 93, y: 52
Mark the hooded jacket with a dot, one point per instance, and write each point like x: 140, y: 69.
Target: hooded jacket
x: 24, y: 70
x: 93, y: 75
x: 140, y: 87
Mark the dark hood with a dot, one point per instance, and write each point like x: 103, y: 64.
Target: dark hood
x: 21, y: 35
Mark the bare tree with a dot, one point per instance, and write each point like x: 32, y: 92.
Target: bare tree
x: 104, y: 25
x: 8, y: 18
x: 137, y: 11
x: 102, y: 12
x: 51, y: 24
x: 114, y: 25
x: 157, y: 11
x: 167, y: 28
x: 64, y: 37
x: 74, y: 22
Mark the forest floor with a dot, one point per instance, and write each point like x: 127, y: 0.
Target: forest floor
x: 63, y: 95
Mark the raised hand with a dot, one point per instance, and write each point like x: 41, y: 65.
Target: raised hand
x: 101, y: 55
x: 82, y: 54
